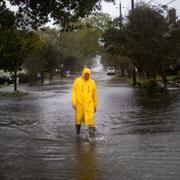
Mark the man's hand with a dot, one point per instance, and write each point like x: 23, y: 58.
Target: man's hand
x: 74, y: 107
x: 95, y: 109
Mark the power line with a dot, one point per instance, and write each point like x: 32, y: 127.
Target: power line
x: 165, y: 6
x: 169, y: 2
x: 149, y: 2
x: 160, y: 3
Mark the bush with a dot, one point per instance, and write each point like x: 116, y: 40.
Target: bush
x: 151, y: 85
x: 23, y: 78
x: 176, y: 78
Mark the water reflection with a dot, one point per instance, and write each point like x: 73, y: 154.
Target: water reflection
x: 87, y: 167
x: 154, y: 114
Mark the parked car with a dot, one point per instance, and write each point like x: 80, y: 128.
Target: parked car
x: 111, y: 71
x: 68, y: 73
x: 5, y: 79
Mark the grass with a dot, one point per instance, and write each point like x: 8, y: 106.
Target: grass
x: 13, y: 94
x: 139, y: 81
x: 3, y: 85
x: 175, y: 78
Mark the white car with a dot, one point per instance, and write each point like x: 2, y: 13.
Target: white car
x: 68, y: 73
x: 111, y: 71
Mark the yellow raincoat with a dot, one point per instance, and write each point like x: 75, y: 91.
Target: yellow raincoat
x: 84, y: 99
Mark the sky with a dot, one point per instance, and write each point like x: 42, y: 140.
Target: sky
x: 113, y: 10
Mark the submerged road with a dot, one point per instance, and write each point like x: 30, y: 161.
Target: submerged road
x: 138, y: 135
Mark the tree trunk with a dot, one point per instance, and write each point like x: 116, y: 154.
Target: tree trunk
x: 50, y: 76
x: 164, y: 79
x: 122, y: 71
x: 42, y: 78
x: 134, y: 77
x: 15, y: 80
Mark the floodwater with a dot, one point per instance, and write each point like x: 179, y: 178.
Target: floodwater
x: 138, y: 135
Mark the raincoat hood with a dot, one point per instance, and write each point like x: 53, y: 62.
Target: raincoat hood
x: 86, y: 70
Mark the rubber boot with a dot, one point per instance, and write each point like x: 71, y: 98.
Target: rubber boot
x: 78, y: 127
x: 91, y: 132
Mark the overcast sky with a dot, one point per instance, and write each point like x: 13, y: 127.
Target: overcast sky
x: 113, y: 10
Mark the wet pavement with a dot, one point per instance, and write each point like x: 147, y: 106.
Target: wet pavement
x: 138, y: 135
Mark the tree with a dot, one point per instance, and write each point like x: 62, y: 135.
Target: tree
x: 46, y: 58
x: 7, y: 18
x: 15, y: 47
x: 101, y: 22
x: 153, y: 41
x: 146, y: 39
x: 114, y: 50
x: 170, y: 53
x: 80, y: 45
x: 15, y: 44
x: 38, y: 12
x: 50, y: 55
x: 11, y: 43
x: 88, y: 41
x: 146, y: 31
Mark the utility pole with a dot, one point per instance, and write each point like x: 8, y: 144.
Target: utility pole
x: 132, y: 4
x: 134, y: 68
x: 120, y: 15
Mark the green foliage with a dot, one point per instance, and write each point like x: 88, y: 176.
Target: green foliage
x: 149, y: 42
x: 45, y: 59
x: 42, y: 52
x: 11, y: 44
x: 88, y: 41
x: 101, y: 22
x: 151, y: 85
x: 69, y: 44
x: 15, y: 44
x: 13, y: 94
x: 50, y: 55
x: 7, y: 18
x: 115, y: 41
x: 38, y: 12
x: 146, y: 29
x: 114, y: 51
x: 80, y: 45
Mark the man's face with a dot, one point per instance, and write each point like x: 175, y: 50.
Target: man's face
x: 86, y: 76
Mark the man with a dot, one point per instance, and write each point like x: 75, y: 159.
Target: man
x: 84, y: 100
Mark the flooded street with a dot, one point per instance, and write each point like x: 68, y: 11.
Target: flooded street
x: 138, y: 135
